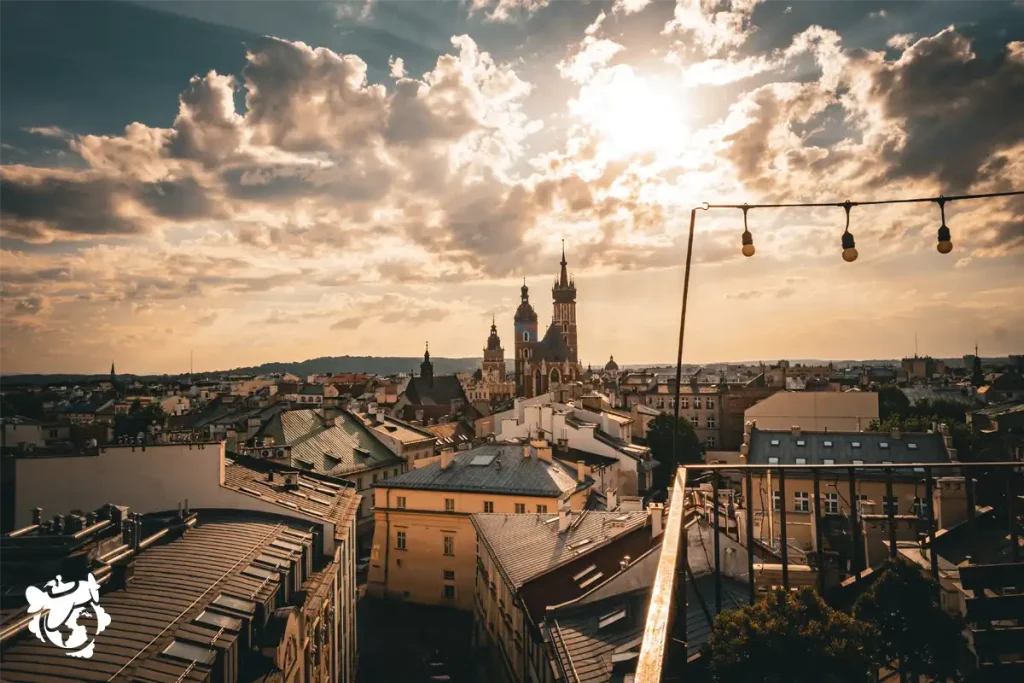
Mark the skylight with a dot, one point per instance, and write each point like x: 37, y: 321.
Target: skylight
x: 855, y: 444
x: 179, y: 649
x: 801, y: 461
x: 233, y: 603
x: 828, y: 444
x: 219, y: 621
x: 591, y: 580
x: 482, y: 460
x: 801, y: 442
x: 912, y: 446
x: 580, y: 544
x: 584, y: 572
x: 775, y: 442
x: 259, y: 573
x: 611, y: 618
x: 829, y: 461
x: 773, y: 461
x: 883, y: 444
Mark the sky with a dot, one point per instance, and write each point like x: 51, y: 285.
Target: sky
x: 275, y: 181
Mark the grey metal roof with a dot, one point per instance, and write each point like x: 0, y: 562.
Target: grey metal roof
x: 337, y: 447
x: 843, y: 449
x: 525, y: 546
x: 174, y: 582
x: 436, y: 390
x: 516, y: 474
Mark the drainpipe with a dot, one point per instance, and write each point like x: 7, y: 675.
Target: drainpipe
x: 387, y: 539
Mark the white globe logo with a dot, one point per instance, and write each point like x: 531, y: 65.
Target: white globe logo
x: 59, y: 606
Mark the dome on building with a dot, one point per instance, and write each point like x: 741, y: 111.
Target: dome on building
x: 611, y: 365
x: 525, y: 312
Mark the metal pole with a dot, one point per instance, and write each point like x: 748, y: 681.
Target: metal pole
x: 718, y: 550
x: 750, y: 534
x: 1011, y: 506
x: 891, y: 513
x: 856, y: 564
x: 817, y: 531
x: 681, y: 601
x: 971, y: 521
x: 783, y: 540
x: 682, y: 333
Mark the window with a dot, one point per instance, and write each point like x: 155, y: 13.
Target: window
x: 374, y: 477
x: 828, y: 444
x: 858, y: 462
x: 711, y: 421
x: 400, y: 504
x: 883, y: 444
x: 920, y: 507
x: 684, y: 402
x: 219, y: 621
x: 710, y: 442
x: 855, y: 444
x: 776, y: 501
x: 488, y: 506
x: 187, y: 652
x: 829, y: 461
x: 802, y: 501
x: 400, y: 545
x: 384, y: 474
x: 449, y: 546
x: 696, y: 402
x: 773, y: 461
x: 832, y: 503
x: 394, y: 472
x: 449, y: 574
x: 862, y: 498
x: 890, y: 504
x: 449, y: 505
x: 775, y: 442
x: 449, y: 592
x: 709, y: 403
x: 801, y: 442
x: 526, y: 336
x: 801, y: 461
x: 359, y: 483
x: 912, y: 446
x: 520, y: 508
x: 542, y: 508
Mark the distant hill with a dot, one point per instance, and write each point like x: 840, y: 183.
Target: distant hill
x: 381, y: 365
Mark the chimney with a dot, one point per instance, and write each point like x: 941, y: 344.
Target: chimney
x: 744, y: 451
x: 270, y: 476
x: 949, y: 501
x: 581, y: 471
x: 611, y: 499
x: 656, y: 512
x: 564, y: 518
x: 796, y: 430
x: 526, y: 450
x: 624, y: 563
x: 447, y: 457
x: 37, y: 516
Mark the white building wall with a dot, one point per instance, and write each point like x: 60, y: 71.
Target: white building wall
x: 147, y: 479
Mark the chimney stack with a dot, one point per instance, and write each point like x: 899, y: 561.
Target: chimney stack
x: 270, y: 476
x: 581, y: 471
x: 526, y: 450
x: 796, y: 430
x: 656, y: 512
x: 447, y: 457
x: 564, y: 518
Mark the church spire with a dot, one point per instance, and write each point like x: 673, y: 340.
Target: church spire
x: 426, y: 367
x: 563, y: 277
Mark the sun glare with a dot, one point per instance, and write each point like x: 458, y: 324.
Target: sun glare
x: 631, y: 113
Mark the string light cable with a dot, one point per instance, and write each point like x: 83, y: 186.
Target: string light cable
x: 944, y: 243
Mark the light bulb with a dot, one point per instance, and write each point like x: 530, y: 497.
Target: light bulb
x: 945, y: 244
x: 850, y: 255
x: 748, y: 242
x: 748, y: 249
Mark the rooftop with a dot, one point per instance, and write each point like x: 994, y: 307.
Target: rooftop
x: 526, y: 545
x: 844, y: 447
x: 393, y: 427
x: 191, y: 591
x: 493, y: 468
x: 334, y: 447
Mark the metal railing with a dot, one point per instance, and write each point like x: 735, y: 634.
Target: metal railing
x: 664, y: 649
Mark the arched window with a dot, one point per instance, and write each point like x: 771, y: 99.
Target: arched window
x: 555, y: 377
x: 526, y: 336
x: 537, y: 385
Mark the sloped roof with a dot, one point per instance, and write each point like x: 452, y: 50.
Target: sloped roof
x: 526, y: 545
x: 336, y: 448
x: 553, y: 346
x: 509, y: 472
x: 438, y: 390
x: 845, y: 447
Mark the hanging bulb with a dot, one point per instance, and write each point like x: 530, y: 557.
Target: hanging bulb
x: 849, y: 247
x: 748, y: 239
x: 945, y: 244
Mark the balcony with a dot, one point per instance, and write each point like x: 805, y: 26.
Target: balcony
x: 975, y: 555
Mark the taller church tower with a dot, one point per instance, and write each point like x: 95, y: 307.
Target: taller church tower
x: 564, y: 316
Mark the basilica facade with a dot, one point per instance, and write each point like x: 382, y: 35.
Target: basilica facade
x: 543, y: 363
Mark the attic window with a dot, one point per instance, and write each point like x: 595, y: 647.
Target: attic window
x: 773, y: 461
x: 858, y: 462
x: 358, y: 451
x: 828, y: 444
x: 236, y: 604
x: 187, y: 652
x: 775, y: 442
x: 912, y: 446
x: 919, y: 469
x: 883, y: 444
x: 259, y: 573
x: 801, y: 442
x: 219, y: 621
x: 611, y: 618
x: 801, y: 461
x: 829, y: 461
x: 855, y: 444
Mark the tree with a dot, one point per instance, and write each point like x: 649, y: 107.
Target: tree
x: 913, y: 628
x: 789, y: 638
x: 892, y: 401
x: 659, y: 438
x: 139, y: 419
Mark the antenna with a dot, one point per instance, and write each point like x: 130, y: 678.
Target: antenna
x: 915, y: 343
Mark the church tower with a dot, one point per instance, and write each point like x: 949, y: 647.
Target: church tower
x: 494, y: 358
x: 564, y: 316
x: 526, y: 336
x: 427, y: 368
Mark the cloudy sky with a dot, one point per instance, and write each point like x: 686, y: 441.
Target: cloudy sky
x: 278, y: 181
